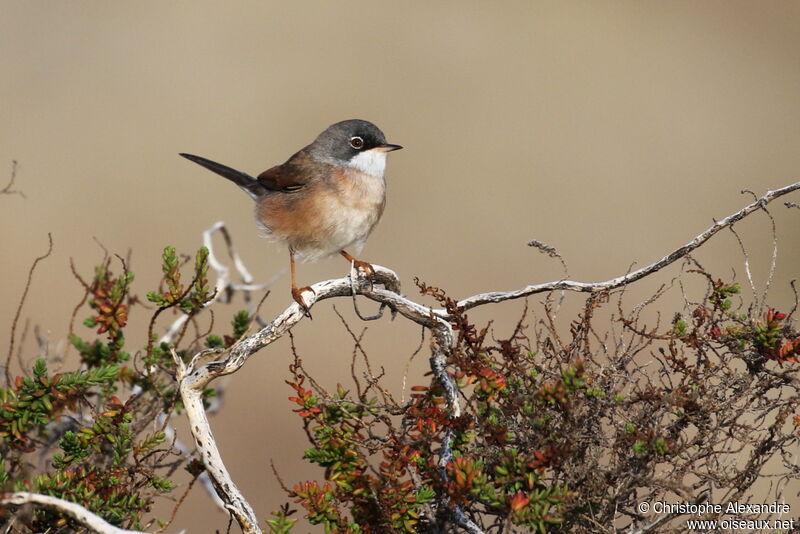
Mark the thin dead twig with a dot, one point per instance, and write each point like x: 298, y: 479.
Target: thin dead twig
x: 7, y: 190
x: 21, y: 303
x: 590, y: 287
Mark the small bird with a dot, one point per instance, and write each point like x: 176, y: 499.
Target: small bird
x: 326, y: 198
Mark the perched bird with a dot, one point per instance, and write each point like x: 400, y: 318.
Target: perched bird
x: 326, y: 198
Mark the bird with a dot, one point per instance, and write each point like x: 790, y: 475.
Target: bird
x: 325, y: 199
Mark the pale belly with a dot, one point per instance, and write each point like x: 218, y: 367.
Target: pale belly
x: 346, y: 226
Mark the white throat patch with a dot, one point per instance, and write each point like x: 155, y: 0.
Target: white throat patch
x: 372, y: 162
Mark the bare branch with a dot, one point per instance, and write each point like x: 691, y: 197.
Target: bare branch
x: 591, y: 287
x: 224, y: 287
x: 75, y: 511
x: 194, y: 378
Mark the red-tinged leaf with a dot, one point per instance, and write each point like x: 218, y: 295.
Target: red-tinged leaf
x: 518, y: 502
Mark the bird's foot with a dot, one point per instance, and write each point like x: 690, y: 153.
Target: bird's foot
x: 364, y: 268
x: 297, y: 294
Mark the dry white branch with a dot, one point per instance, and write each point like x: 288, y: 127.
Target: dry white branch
x: 590, y: 287
x: 194, y: 379
x: 75, y: 511
x: 224, y: 286
x: 224, y: 290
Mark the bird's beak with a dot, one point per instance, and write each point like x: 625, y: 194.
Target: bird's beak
x: 387, y: 147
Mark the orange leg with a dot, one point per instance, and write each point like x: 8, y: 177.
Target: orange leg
x: 362, y: 266
x: 297, y: 294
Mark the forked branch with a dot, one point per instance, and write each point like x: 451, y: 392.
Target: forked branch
x: 195, y: 376
x: 591, y: 287
x: 195, y: 379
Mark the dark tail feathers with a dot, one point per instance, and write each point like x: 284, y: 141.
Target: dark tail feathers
x: 249, y: 185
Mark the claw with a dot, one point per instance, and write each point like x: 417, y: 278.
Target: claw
x: 364, y: 268
x: 297, y: 294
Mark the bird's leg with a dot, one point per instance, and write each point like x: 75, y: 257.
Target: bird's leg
x: 297, y: 294
x: 362, y: 266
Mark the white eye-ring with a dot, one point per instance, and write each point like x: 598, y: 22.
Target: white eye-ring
x: 357, y: 143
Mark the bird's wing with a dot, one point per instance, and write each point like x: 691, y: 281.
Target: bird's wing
x: 293, y: 175
x: 280, y: 178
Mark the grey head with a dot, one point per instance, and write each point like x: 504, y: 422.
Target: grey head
x: 355, y: 143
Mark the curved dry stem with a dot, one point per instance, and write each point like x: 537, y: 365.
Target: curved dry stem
x: 590, y: 287
x: 75, y: 511
x: 194, y: 378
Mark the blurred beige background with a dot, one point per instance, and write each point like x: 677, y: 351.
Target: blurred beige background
x: 614, y: 131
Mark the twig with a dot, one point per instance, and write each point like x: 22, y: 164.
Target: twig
x: 553, y: 253
x: 590, y: 287
x: 224, y: 287
x: 407, y: 368
x: 21, y: 303
x: 746, y: 256
x: 774, y: 261
x: 655, y: 524
x: 7, y: 189
x: 178, y: 505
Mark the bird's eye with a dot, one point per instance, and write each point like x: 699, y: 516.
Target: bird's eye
x: 357, y: 143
